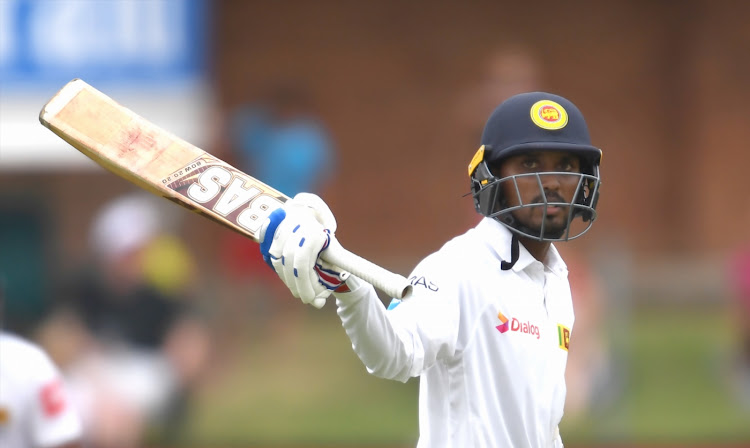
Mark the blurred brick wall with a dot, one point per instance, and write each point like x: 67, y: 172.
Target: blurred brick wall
x: 663, y: 89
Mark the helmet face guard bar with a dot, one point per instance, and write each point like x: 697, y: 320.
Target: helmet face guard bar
x: 489, y: 200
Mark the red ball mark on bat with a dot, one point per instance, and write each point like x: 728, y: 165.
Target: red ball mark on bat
x: 134, y: 135
x: 139, y: 140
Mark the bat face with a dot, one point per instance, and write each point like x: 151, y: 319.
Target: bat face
x: 133, y: 148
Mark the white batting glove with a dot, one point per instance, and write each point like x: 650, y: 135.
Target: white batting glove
x: 302, y: 229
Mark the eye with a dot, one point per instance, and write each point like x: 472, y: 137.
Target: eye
x: 568, y: 165
x: 530, y: 163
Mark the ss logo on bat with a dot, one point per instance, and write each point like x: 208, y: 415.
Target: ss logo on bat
x: 225, y: 192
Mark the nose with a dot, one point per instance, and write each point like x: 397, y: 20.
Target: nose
x: 550, y: 182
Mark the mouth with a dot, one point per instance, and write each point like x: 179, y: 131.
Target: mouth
x: 555, y: 204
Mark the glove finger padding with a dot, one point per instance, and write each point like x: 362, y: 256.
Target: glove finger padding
x: 324, y: 215
x: 322, y: 212
x: 301, y: 253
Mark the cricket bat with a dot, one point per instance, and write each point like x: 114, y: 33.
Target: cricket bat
x: 133, y: 148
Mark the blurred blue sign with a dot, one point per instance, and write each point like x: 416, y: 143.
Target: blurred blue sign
x: 148, y: 54
x: 120, y: 41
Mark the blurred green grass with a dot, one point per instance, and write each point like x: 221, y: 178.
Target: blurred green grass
x: 677, y: 386
x: 304, y: 385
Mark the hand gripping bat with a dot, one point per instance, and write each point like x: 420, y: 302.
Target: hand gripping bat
x: 133, y: 148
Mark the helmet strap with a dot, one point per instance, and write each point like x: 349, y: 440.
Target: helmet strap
x: 514, y: 254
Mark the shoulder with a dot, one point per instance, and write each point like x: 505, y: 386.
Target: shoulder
x: 463, y: 252
x: 25, y: 357
x: 450, y: 253
x: 452, y: 264
x: 16, y: 345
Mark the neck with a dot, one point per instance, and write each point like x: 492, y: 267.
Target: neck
x: 537, y: 249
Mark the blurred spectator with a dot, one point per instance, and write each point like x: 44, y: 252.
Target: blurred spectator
x: 35, y: 410
x: 280, y: 140
x: 127, y: 332
x: 739, y: 279
x: 506, y: 71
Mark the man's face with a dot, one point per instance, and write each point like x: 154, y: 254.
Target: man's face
x: 556, y: 187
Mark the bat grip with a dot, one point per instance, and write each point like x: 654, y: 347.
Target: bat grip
x: 390, y: 283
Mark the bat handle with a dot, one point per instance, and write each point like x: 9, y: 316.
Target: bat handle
x: 390, y: 283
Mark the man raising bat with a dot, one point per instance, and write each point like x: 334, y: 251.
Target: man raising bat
x: 155, y: 159
x: 487, y: 326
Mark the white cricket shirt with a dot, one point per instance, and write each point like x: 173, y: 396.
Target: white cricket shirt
x: 489, y: 346
x: 34, y: 409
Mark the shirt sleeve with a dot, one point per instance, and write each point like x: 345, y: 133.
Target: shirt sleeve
x: 54, y: 420
x: 558, y: 440
x: 411, y: 335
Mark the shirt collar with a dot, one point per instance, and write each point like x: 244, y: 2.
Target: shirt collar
x: 498, y: 238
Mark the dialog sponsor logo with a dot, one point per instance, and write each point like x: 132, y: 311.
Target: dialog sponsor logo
x: 516, y: 325
x: 524, y: 327
x: 503, y: 327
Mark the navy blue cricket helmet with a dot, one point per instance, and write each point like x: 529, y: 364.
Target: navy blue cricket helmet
x: 535, y: 121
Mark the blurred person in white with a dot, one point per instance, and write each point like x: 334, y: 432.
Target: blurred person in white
x: 35, y: 409
x: 132, y: 344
